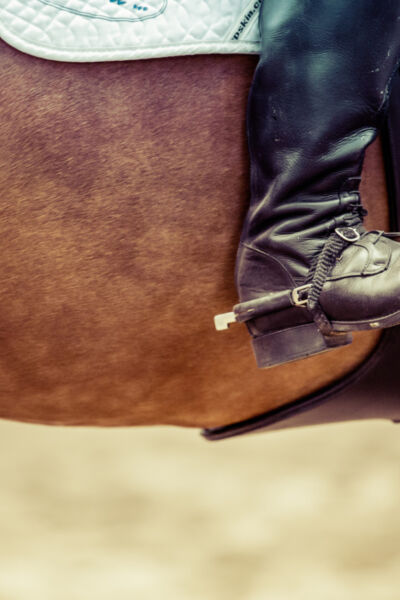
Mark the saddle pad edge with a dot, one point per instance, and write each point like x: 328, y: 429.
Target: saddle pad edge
x: 94, y: 55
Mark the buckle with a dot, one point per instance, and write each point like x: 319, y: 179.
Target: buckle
x: 348, y: 234
x: 299, y: 295
x: 223, y: 320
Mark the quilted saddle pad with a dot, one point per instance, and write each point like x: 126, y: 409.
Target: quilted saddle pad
x: 102, y: 30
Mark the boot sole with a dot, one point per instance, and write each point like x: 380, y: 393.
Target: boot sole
x: 368, y: 324
x: 292, y: 344
x: 295, y: 343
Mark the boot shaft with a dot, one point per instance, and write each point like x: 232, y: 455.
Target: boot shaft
x: 317, y: 101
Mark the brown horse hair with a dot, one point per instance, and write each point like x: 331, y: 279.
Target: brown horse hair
x: 123, y: 188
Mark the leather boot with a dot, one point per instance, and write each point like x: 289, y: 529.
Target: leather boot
x: 307, y: 272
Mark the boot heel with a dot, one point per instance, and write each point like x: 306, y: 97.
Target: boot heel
x: 294, y: 343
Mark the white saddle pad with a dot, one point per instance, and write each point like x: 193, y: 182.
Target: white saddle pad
x: 99, y: 30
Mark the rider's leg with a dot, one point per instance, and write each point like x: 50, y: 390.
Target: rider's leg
x: 317, y: 101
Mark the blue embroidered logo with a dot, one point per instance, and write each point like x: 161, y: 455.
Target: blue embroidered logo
x: 111, y: 10
x: 135, y: 6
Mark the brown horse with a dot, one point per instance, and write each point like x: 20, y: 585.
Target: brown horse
x: 123, y: 189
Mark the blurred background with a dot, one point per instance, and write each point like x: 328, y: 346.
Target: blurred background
x: 158, y: 512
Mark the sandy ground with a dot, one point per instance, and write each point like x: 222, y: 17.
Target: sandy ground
x: 160, y: 513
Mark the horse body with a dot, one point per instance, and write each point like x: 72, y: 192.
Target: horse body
x: 124, y: 186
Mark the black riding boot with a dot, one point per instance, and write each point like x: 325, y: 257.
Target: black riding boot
x: 307, y: 271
